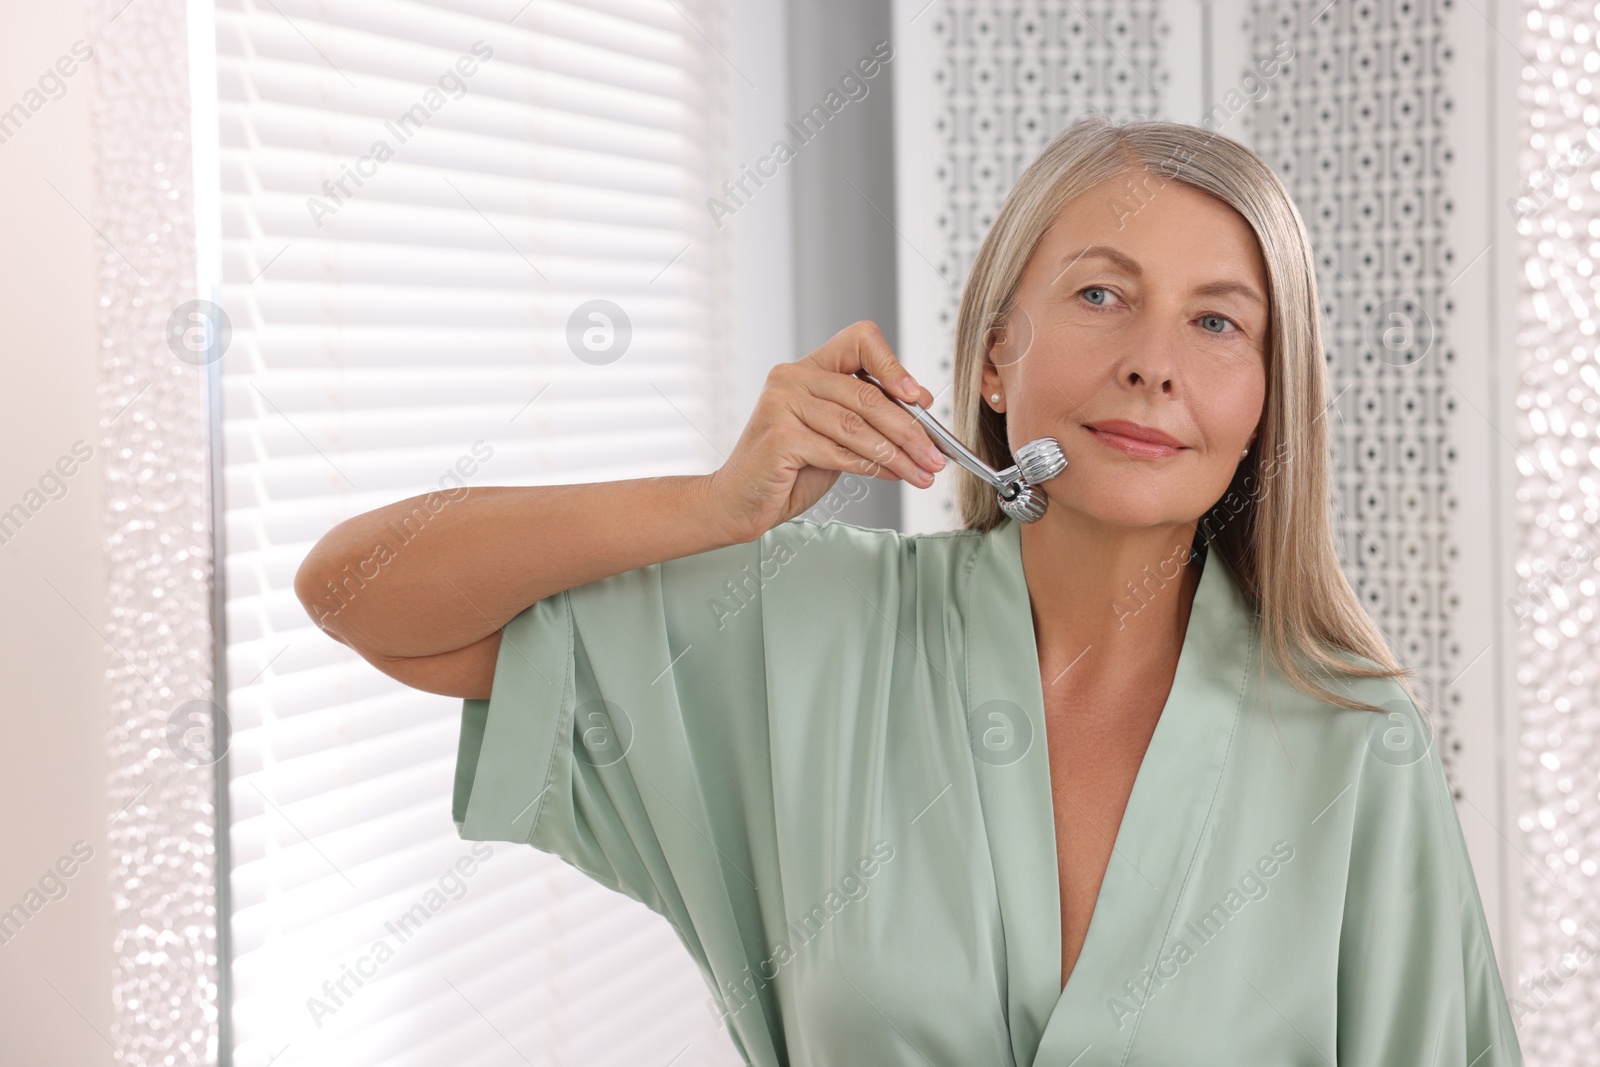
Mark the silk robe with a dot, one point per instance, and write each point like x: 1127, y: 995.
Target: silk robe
x: 821, y: 756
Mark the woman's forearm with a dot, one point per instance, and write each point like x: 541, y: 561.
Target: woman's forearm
x: 432, y: 573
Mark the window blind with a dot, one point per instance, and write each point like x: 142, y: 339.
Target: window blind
x: 460, y: 244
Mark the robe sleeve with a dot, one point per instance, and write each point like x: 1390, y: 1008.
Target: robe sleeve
x: 625, y: 732
x: 1418, y: 982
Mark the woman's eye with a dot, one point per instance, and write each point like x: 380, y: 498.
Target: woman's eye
x: 1099, y: 297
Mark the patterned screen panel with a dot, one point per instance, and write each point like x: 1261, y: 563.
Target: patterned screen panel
x: 1357, y: 139
x: 1012, y: 76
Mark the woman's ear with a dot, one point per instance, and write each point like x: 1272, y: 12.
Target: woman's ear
x: 989, y: 384
x: 1008, y: 340
x: 997, y: 336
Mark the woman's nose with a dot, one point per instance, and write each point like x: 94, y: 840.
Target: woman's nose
x: 1151, y: 361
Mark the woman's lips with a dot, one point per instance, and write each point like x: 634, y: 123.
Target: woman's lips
x: 1132, y: 446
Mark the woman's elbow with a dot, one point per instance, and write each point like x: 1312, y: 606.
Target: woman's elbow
x: 317, y: 585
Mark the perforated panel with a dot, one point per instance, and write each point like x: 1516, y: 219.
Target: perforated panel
x: 1358, y: 140
x: 1011, y: 77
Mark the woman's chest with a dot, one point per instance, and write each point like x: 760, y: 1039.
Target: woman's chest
x: 1094, y: 761
x: 918, y: 849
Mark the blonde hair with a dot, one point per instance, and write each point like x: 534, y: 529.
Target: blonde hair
x: 1278, y: 543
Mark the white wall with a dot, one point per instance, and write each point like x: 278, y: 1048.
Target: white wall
x: 55, y: 984
x: 762, y: 287
x: 843, y: 196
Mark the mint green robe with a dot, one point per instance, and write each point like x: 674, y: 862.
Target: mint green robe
x: 821, y: 756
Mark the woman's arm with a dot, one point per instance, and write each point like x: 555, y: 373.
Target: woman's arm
x: 420, y: 588
x: 405, y: 581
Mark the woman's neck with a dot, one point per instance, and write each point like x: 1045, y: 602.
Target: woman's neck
x: 1107, y: 601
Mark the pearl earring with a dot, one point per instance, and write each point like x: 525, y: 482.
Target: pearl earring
x: 995, y: 397
x: 1245, y: 453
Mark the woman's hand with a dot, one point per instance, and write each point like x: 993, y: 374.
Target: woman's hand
x: 815, y: 419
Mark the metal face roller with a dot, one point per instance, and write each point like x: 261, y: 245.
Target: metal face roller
x: 1037, y: 461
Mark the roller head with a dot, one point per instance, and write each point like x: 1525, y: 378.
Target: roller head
x: 1040, y: 460
x: 1026, y: 506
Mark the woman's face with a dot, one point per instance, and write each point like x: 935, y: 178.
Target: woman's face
x: 1149, y: 309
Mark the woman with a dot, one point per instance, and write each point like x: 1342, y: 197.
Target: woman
x: 1139, y: 782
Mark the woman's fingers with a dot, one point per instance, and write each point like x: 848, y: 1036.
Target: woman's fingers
x: 865, y: 348
x: 825, y: 451
x: 882, y: 414
x: 814, y: 417
x: 862, y: 436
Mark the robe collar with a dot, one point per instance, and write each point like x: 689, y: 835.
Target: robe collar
x: 1162, y: 826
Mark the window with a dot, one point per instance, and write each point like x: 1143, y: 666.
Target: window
x: 459, y: 244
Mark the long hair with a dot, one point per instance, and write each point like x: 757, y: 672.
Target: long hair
x: 1272, y: 526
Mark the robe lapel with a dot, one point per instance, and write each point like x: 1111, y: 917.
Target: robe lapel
x: 1161, y: 828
